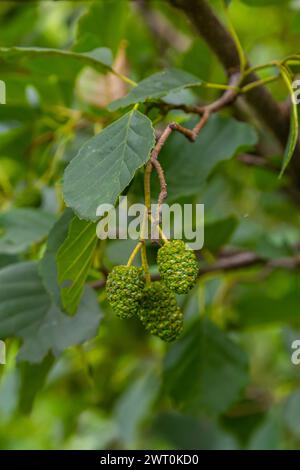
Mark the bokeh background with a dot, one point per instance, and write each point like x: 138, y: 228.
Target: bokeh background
x: 229, y: 383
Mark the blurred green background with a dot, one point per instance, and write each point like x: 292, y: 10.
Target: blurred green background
x: 229, y: 383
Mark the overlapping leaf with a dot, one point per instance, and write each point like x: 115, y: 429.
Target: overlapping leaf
x: 26, y: 311
x: 205, y: 370
x: 73, y: 262
x: 106, y: 164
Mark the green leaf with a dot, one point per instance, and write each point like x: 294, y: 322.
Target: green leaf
x: 106, y: 164
x: 21, y: 228
x: 36, y: 375
x: 270, y: 434
x: 257, y: 307
x: 188, y: 166
x: 189, y: 432
x: 42, y: 61
x: 134, y: 405
x: 47, y: 265
x: 23, y: 299
x: 205, y: 370
x: 56, y: 331
x: 294, y: 124
x: 11, y: 112
x: 291, y: 414
x: 219, y: 232
x: 73, y: 262
x: 26, y: 311
x: 14, y: 141
x: 243, y: 427
x: 157, y: 86
x: 103, y: 23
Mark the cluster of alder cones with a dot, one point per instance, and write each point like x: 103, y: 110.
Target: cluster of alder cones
x: 155, y: 303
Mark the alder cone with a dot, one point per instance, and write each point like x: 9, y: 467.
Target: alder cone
x: 160, y: 313
x: 178, y: 266
x: 124, y: 288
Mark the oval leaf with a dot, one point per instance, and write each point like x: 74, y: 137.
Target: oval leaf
x: 294, y: 125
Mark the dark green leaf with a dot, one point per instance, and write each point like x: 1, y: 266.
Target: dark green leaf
x: 189, y: 432
x: 42, y: 61
x: 47, y: 265
x: 103, y: 23
x: 56, y: 331
x: 257, y: 307
x: 73, y: 262
x: 21, y: 228
x: 106, y: 164
x: 263, y: 3
x: 292, y: 413
x: 270, y: 434
x: 219, y: 232
x: 294, y: 124
x: 205, y: 370
x: 188, y: 166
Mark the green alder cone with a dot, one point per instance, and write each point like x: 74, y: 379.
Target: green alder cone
x: 124, y: 289
x: 28, y: 197
x: 178, y: 266
x: 160, y: 313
